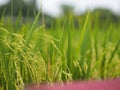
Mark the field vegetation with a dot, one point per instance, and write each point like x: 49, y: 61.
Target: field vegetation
x: 73, y: 48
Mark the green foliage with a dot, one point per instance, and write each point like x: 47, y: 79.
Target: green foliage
x: 32, y: 54
x: 19, y: 64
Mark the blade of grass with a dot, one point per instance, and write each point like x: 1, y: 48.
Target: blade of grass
x: 82, y: 34
x: 113, y: 54
x: 12, y: 10
x: 3, y: 15
x: 96, y: 44
x: 28, y: 37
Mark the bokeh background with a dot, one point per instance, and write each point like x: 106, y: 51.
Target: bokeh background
x: 54, y: 7
x: 108, y: 9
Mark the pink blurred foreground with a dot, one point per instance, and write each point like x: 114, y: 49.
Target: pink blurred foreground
x: 93, y: 85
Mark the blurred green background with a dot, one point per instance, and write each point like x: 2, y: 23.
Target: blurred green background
x: 29, y: 9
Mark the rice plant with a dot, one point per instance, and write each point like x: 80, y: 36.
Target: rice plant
x: 32, y: 54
